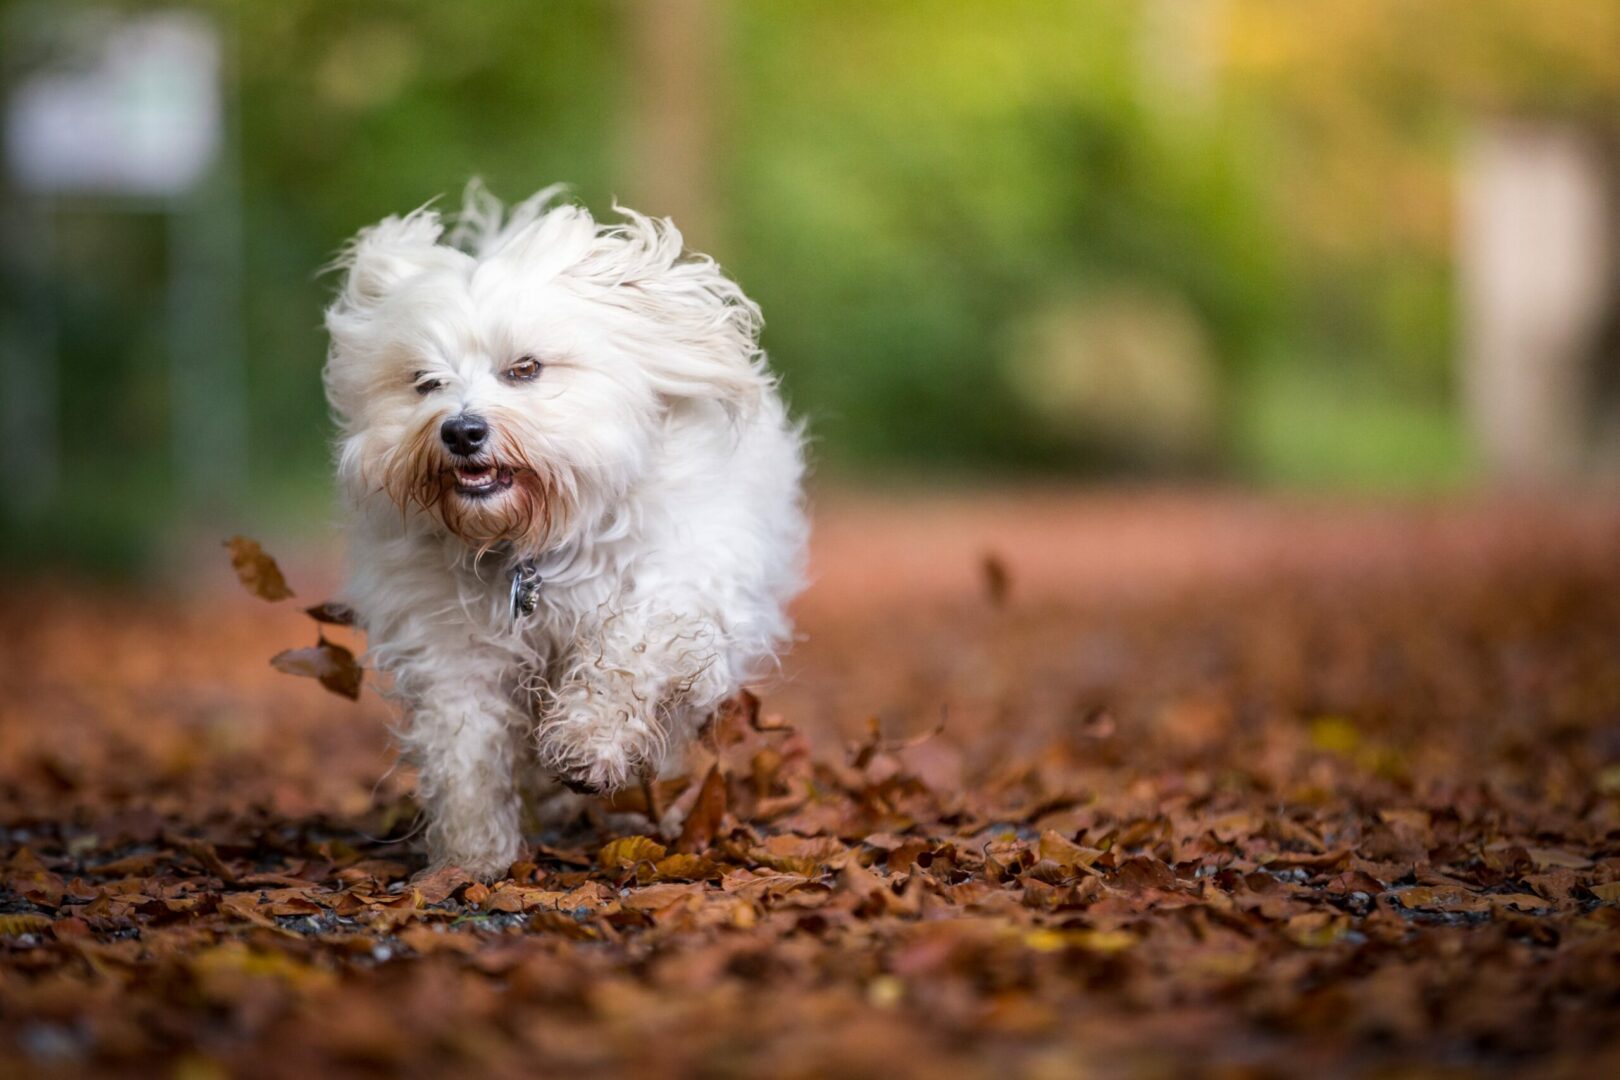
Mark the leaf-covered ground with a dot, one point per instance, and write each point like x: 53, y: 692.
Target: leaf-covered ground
x: 1221, y: 787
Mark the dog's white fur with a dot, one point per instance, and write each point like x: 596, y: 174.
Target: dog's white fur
x: 656, y: 487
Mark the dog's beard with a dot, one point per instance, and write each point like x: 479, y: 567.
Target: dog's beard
x: 500, y: 497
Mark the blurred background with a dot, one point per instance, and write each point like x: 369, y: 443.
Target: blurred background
x: 1296, y: 245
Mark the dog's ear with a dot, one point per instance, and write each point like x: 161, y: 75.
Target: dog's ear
x: 702, y: 331
x: 707, y: 346
x: 383, y: 255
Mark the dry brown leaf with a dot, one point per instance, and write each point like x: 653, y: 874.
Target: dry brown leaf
x: 556, y: 922
x: 333, y: 665
x: 1559, y: 857
x: 701, y: 825
x: 658, y: 897
x: 997, y: 579
x: 1065, y: 852
x: 1519, y: 901
x: 1440, y: 898
x: 256, y: 570
x: 683, y: 867
x: 439, y: 885
x: 332, y: 613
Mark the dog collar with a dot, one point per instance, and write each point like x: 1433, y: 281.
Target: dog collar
x: 526, y: 584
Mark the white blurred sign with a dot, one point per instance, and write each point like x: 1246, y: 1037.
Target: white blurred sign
x: 134, y: 108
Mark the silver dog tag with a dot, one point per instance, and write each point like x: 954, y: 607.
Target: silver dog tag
x: 525, y: 590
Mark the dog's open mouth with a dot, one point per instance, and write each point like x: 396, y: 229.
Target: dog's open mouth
x: 481, y: 481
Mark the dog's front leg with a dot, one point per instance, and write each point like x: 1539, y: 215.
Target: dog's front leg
x: 463, y: 733
x: 629, y: 695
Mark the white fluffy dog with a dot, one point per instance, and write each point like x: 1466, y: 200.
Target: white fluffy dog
x: 574, y: 497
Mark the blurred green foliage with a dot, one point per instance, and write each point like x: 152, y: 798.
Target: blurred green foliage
x: 906, y: 188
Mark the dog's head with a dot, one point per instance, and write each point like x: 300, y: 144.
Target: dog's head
x: 515, y: 376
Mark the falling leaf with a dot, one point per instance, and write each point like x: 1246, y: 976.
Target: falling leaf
x: 333, y: 613
x: 332, y: 664
x: 997, y: 580
x: 256, y: 570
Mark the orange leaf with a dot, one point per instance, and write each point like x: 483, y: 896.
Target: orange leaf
x: 697, y: 832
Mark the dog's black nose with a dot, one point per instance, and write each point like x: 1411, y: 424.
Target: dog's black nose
x: 464, y: 433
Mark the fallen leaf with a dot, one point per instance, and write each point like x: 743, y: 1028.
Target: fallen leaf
x: 627, y: 851
x: 19, y: 924
x: 684, y: 867
x: 703, y: 822
x: 1559, y: 857
x: 1065, y: 852
x: 439, y: 885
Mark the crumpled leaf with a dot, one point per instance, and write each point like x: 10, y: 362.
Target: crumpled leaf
x: 333, y: 665
x: 683, y: 867
x: 256, y: 570
x: 332, y: 613
x: 627, y: 851
x: 440, y: 884
x: 700, y: 826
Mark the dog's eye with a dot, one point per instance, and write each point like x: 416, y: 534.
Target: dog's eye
x: 424, y: 385
x: 526, y: 368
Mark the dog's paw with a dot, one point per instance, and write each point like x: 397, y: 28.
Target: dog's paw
x: 607, y: 771
x: 486, y: 856
x: 579, y: 785
x: 596, y: 751
x: 486, y: 868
